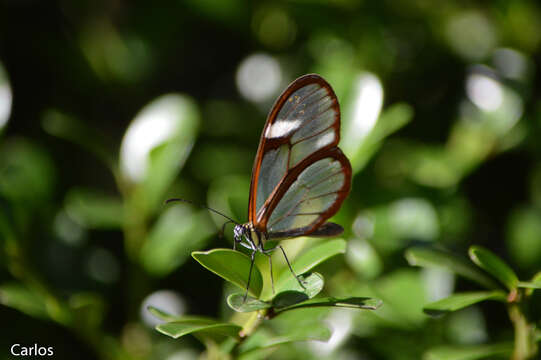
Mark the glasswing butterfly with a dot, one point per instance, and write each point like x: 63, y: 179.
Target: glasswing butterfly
x: 300, y: 177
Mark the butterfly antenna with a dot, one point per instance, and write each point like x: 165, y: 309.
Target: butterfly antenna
x: 200, y: 205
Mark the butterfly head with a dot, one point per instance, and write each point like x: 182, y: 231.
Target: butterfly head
x: 247, y: 236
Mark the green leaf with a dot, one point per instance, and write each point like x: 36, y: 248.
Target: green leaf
x: 310, y: 259
x: 24, y: 299
x: 352, y: 302
x: 494, y: 266
x: 529, y: 284
x: 313, y: 284
x: 88, y: 310
x: 178, y: 231
x: 27, y: 174
x: 261, y: 340
x: 462, y: 300
x: 391, y: 120
x: 470, y: 352
x: 206, y: 327
x: 426, y: 257
x: 318, y: 254
x: 152, y: 164
x: 94, y: 210
x: 288, y: 298
x: 164, y: 163
x: 233, y: 266
x: 72, y: 129
x: 162, y: 315
x: 37, y: 303
x: 238, y: 303
x: 400, y: 311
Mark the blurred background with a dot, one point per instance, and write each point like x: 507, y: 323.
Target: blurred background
x: 107, y: 108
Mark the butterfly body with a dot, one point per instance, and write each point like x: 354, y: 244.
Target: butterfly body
x: 249, y: 237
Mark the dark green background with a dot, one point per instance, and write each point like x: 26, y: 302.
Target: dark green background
x: 80, y: 71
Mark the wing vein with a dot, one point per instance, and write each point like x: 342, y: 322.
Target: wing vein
x: 313, y: 135
x: 324, y: 179
x: 293, y: 208
x: 300, y: 102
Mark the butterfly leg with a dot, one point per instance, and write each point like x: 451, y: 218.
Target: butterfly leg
x: 267, y: 254
x: 252, y: 259
x: 290, y: 268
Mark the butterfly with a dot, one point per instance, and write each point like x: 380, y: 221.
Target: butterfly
x: 300, y: 177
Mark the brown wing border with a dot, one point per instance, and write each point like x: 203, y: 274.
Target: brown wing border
x: 269, y: 144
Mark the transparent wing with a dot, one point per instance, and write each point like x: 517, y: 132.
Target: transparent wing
x: 302, y: 127
x: 315, y: 195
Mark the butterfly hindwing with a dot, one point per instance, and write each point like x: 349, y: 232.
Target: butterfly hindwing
x: 300, y: 178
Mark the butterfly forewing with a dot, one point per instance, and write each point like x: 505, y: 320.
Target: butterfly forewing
x: 300, y: 178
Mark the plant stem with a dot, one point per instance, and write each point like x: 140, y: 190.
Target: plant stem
x: 525, y: 344
x: 252, y: 323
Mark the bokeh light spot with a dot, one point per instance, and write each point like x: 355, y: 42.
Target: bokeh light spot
x: 6, y: 97
x: 414, y: 218
x: 274, y: 27
x: 510, y: 63
x: 259, y: 77
x: 166, y: 300
x: 102, y: 266
x: 484, y: 92
x: 471, y: 35
x: 367, y: 106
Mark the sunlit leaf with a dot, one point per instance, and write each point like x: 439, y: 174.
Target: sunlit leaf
x: 427, y: 257
x: 233, y: 266
x: 192, y: 325
x: 179, y: 231
x: 155, y: 146
x: 93, y: 209
x: 239, y: 303
x: 461, y: 300
x: 494, y: 266
x: 391, y: 119
x: 470, y: 352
